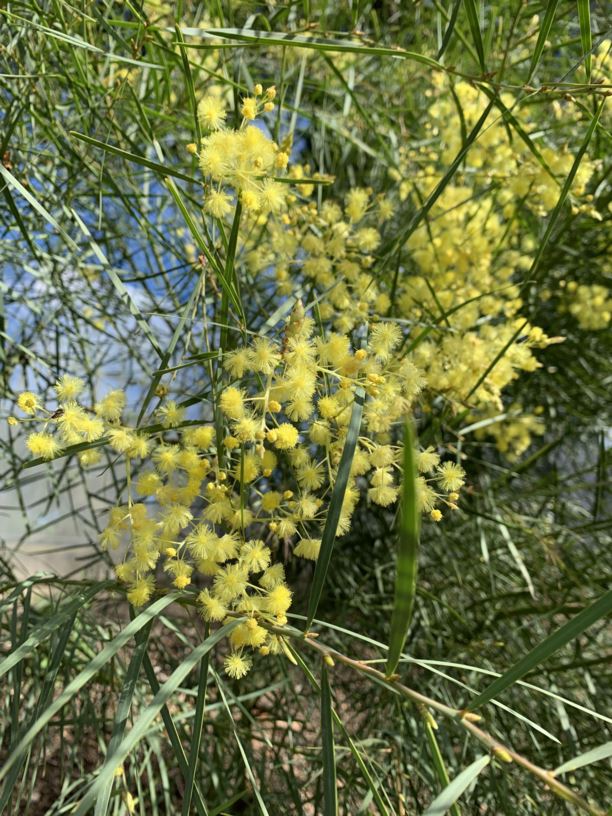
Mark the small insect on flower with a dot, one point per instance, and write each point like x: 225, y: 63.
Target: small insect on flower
x: 28, y: 402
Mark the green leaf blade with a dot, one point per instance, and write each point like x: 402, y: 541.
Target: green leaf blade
x: 571, y: 630
x: 587, y: 758
x: 407, y: 554
x: 445, y: 800
x: 330, y: 787
x: 586, y: 37
x: 474, y: 23
x: 335, y: 507
x: 549, y: 16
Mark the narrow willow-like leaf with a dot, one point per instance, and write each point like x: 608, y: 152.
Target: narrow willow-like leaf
x: 335, y: 507
x: 594, y: 755
x: 330, y: 789
x: 513, y: 122
x: 161, y: 169
x: 203, y: 246
x: 123, y: 710
x: 449, y: 29
x: 77, y: 42
x: 176, y: 335
x: 584, y: 16
x: 572, y: 629
x: 37, y: 578
x: 20, y: 222
x: 474, y: 23
x: 46, y: 692
x: 33, y: 201
x: 289, y: 40
x: 443, y: 803
x: 190, y: 85
x: 122, y: 290
x: 198, y: 726
x: 374, y: 785
x: 534, y: 272
x: 175, y: 741
x: 146, y: 718
x: 549, y: 16
x: 230, y: 275
x: 438, y: 763
x: 421, y: 213
x: 50, y: 627
x: 224, y: 807
x: 84, y: 676
x: 430, y: 664
x: 247, y: 765
x: 407, y: 554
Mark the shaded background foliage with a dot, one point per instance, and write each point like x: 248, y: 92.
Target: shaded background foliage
x: 100, y: 246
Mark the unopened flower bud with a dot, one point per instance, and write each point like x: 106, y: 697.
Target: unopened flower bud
x: 502, y: 754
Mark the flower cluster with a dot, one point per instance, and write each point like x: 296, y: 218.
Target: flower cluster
x: 69, y: 423
x: 241, y: 161
x: 220, y: 506
x: 590, y: 304
x: 215, y: 507
x: 456, y: 317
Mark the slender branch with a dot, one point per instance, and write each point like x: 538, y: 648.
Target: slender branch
x: 466, y: 719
